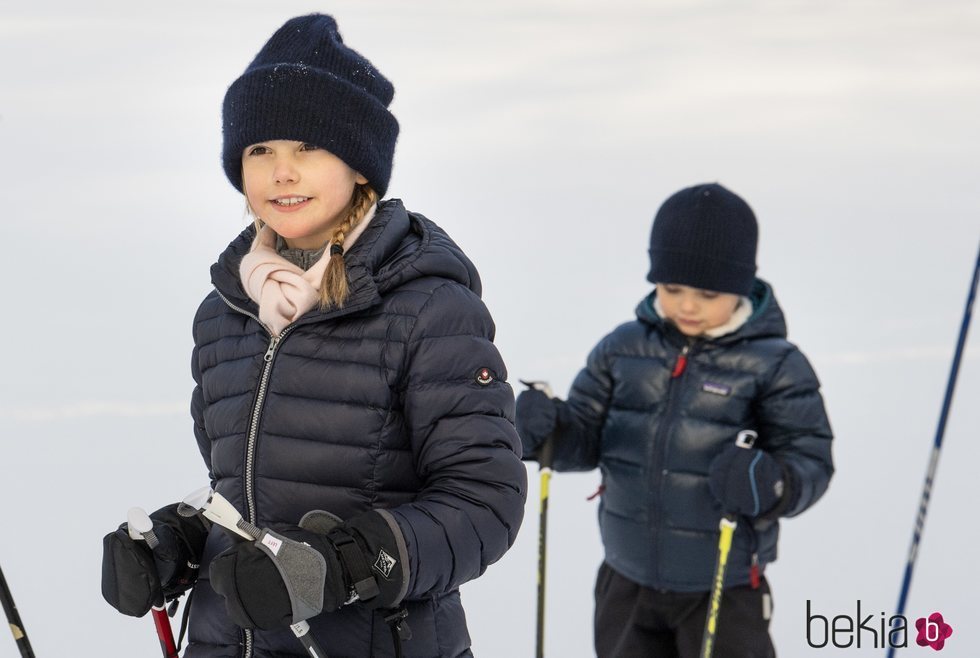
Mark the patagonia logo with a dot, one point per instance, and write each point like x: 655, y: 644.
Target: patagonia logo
x: 716, y: 388
x: 385, y: 563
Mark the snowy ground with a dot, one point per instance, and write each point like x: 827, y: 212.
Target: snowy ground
x: 542, y: 135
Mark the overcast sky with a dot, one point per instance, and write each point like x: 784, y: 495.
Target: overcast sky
x: 542, y: 135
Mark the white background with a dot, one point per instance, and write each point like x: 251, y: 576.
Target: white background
x: 542, y: 136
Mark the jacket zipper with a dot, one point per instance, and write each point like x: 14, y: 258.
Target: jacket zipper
x: 253, y: 429
x: 681, y: 363
x: 660, y: 440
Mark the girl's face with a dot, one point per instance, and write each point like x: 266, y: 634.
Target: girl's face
x: 300, y: 190
x: 694, y: 310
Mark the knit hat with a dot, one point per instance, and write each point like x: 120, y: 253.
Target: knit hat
x: 306, y: 85
x: 704, y: 237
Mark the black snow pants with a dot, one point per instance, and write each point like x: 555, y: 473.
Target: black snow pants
x: 632, y: 621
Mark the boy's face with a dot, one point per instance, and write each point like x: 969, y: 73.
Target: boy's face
x: 694, y: 310
x: 300, y: 190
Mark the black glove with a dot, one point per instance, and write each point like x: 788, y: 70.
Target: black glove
x: 295, y: 573
x: 537, y: 415
x: 134, y: 578
x: 746, y: 481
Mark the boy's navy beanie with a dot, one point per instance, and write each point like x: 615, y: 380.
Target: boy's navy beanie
x: 306, y: 85
x: 704, y: 237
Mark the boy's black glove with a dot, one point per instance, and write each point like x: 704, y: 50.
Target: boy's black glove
x: 295, y: 573
x: 746, y: 481
x: 537, y: 415
x: 134, y: 578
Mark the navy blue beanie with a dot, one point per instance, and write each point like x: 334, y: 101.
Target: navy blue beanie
x: 306, y: 85
x: 704, y: 237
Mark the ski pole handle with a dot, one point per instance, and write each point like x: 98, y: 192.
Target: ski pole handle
x: 140, y: 528
x: 547, y: 449
x: 539, y: 385
x: 218, y: 509
x: 746, y: 438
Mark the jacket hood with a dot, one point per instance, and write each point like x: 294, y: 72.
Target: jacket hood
x: 396, y: 247
x: 766, y: 321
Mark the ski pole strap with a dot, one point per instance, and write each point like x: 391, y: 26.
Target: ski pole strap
x: 399, y: 628
x: 363, y: 583
x: 184, y: 617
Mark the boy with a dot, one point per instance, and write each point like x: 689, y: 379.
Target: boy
x: 657, y: 409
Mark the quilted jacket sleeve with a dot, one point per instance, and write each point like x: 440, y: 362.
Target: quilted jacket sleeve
x: 794, y: 428
x: 459, y: 411
x: 582, y: 416
x: 197, y: 406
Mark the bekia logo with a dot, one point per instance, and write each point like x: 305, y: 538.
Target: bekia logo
x: 932, y: 631
x: 873, y: 631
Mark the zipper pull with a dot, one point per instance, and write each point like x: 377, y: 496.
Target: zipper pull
x: 681, y: 363
x: 272, y: 348
x: 754, y: 571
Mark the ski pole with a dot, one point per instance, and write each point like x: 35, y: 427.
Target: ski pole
x: 745, y: 439
x: 140, y: 528
x: 216, y: 508
x: 544, y: 458
x: 937, y: 445
x: 13, y: 619
x: 544, y: 469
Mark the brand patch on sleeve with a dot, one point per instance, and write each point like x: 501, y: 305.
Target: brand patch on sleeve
x: 716, y: 388
x: 485, y: 376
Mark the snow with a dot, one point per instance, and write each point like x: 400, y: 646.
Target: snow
x: 542, y: 136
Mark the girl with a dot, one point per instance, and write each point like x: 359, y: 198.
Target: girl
x: 344, y: 362
x: 658, y: 407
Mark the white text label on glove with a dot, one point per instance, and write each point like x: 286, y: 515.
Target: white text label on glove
x: 273, y: 543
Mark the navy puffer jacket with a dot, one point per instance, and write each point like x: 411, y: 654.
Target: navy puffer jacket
x: 653, y: 436
x: 397, y: 402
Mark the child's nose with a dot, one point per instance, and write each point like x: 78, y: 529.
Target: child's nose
x: 285, y: 171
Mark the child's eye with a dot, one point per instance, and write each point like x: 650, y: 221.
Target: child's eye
x: 670, y: 290
x: 258, y: 150
x: 309, y: 147
x: 708, y: 294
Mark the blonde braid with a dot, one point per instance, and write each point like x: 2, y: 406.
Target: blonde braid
x: 333, y: 286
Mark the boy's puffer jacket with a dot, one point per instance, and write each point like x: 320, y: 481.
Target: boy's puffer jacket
x: 653, y: 437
